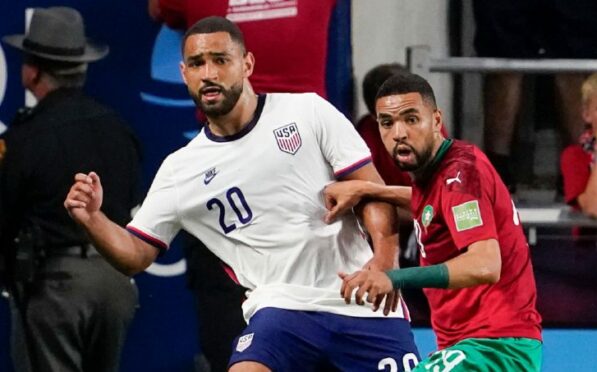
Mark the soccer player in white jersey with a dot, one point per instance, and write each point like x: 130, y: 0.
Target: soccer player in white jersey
x: 250, y: 187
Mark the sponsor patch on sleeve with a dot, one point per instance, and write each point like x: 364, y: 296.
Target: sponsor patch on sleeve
x: 467, y: 215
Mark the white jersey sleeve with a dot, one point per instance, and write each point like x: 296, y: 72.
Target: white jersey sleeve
x: 157, y: 220
x: 340, y: 143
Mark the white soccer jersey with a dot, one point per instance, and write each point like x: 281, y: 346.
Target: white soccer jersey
x: 255, y: 199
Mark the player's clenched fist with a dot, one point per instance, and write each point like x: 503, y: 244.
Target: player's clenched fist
x: 341, y: 197
x: 85, y: 197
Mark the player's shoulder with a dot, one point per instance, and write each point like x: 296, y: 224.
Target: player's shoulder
x: 192, y: 149
x: 463, y: 168
x: 293, y: 97
x: 459, y: 155
x: 297, y: 105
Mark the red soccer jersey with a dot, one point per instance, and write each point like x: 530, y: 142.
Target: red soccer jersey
x: 289, y: 38
x: 460, y: 202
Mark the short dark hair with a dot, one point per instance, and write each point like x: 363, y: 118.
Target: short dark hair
x: 407, y: 83
x: 214, y: 24
x: 374, y: 78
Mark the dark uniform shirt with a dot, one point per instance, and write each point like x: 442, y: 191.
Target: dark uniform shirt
x: 66, y: 133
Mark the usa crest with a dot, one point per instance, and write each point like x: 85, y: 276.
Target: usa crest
x: 244, y: 342
x: 288, y: 138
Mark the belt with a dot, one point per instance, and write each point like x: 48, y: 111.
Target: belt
x: 82, y: 251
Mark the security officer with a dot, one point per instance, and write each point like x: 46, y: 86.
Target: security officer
x: 75, y: 308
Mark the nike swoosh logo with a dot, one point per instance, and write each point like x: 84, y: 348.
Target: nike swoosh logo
x: 209, y: 177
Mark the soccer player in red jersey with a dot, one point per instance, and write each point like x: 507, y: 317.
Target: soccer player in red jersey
x: 475, y: 264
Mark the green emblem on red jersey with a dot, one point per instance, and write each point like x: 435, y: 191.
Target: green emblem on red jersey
x: 467, y: 215
x: 427, y: 215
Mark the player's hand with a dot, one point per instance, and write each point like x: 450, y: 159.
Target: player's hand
x: 340, y: 197
x: 391, y: 304
x: 393, y: 297
x: 85, y: 197
x: 375, y: 284
x: 379, y: 264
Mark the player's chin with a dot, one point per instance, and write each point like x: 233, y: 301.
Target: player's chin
x: 407, y: 166
x: 212, y: 108
x: 211, y: 101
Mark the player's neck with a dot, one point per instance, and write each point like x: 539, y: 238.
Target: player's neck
x: 238, y: 118
x: 440, y: 146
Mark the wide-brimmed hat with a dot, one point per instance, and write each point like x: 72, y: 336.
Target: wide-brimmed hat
x: 58, y: 34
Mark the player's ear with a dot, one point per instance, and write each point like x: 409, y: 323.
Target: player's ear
x: 183, y: 70
x: 438, y: 120
x: 249, y: 64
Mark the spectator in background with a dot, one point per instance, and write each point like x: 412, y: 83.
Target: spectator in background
x: 530, y: 29
x: 297, y: 65
x: 578, y: 160
x: 71, y: 308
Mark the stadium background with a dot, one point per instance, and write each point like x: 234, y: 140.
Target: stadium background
x: 140, y: 80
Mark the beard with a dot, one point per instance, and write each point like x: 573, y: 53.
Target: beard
x: 421, y: 158
x: 223, y: 107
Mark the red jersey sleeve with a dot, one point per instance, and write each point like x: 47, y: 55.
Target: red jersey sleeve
x: 575, y: 166
x: 467, y: 205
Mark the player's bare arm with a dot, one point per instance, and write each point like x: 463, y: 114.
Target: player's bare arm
x: 124, y: 251
x: 480, y: 264
x: 342, y: 196
x: 381, y: 223
x: 379, y: 219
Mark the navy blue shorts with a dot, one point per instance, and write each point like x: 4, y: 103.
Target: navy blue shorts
x: 289, y: 340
